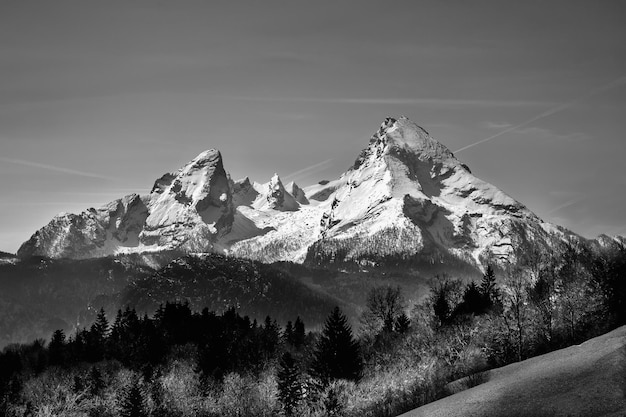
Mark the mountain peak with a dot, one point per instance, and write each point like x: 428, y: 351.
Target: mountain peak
x: 405, y: 135
x: 404, y: 140
x: 297, y: 193
x: 210, y: 157
x: 209, y: 154
x: 278, y: 197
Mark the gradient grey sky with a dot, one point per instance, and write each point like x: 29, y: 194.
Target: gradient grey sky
x: 99, y: 98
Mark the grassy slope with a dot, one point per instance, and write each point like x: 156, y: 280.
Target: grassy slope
x: 584, y: 380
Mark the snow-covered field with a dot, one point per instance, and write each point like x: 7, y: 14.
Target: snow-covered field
x: 584, y: 380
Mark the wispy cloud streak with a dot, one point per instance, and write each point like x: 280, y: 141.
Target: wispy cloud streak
x: 564, y: 106
x: 56, y: 169
x: 43, y: 203
x: 439, y: 102
x: 566, y: 204
x: 320, y: 166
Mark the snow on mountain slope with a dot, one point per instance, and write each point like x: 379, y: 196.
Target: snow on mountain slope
x: 406, y: 196
x: 92, y: 233
x: 405, y: 186
x: 582, y: 380
x: 185, y: 210
x: 191, y: 209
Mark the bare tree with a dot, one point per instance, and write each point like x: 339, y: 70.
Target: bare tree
x: 515, y: 306
x: 543, y: 297
x: 575, y: 296
x: 384, y: 305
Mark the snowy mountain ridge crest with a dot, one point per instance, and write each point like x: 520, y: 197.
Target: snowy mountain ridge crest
x: 406, y: 196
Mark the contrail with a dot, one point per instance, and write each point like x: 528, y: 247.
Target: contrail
x: 567, y: 204
x: 313, y: 168
x: 56, y: 169
x: 613, y: 84
x: 443, y: 102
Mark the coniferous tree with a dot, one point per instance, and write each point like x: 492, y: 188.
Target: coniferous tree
x: 298, y: 333
x: 95, y: 381
x: 290, y: 384
x: 114, y: 341
x: 337, y: 354
x: 97, y: 337
x: 151, y: 347
x: 441, y: 308
x: 270, y: 338
x: 488, y: 287
x: 57, y: 349
x: 288, y: 333
x: 133, y: 404
x: 100, y: 328
x: 77, y: 346
x: 129, y: 332
x: 473, y: 301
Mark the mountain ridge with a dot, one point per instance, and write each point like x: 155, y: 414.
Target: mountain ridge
x: 405, y: 196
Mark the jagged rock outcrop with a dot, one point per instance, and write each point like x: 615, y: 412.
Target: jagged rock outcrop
x: 191, y: 207
x: 277, y: 196
x: 297, y: 193
x: 244, y: 192
x: 186, y: 210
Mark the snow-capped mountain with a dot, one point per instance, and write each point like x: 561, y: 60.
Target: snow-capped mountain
x: 405, y: 197
x: 186, y: 210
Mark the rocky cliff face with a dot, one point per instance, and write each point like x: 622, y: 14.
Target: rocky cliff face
x: 186, y: 210
x: 190, y: 208
x: 405, y: 197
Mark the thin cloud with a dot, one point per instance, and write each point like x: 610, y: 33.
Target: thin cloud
x: 320, y: 166
x: 566, y: 204
x: 437, y: 102
x: 56, y: 169
x: 41, y: 203
x: 117, y: 192
x: 549, y: 134
x: 561, y: 107
x: 497, y: 125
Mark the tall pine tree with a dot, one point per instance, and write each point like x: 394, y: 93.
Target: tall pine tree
x: 290, y: 386
x: 298, y: 333
x: 57, y: 351
x: 488, y: 287
x: 337, y: 354
x: 97, y: 337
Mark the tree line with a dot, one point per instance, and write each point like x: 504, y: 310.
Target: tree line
x: 183, y: 363
x: 222, y: 345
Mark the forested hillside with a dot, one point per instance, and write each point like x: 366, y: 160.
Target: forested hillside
x: 181, y: 361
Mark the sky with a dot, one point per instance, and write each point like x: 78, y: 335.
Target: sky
x: 100, y: 98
